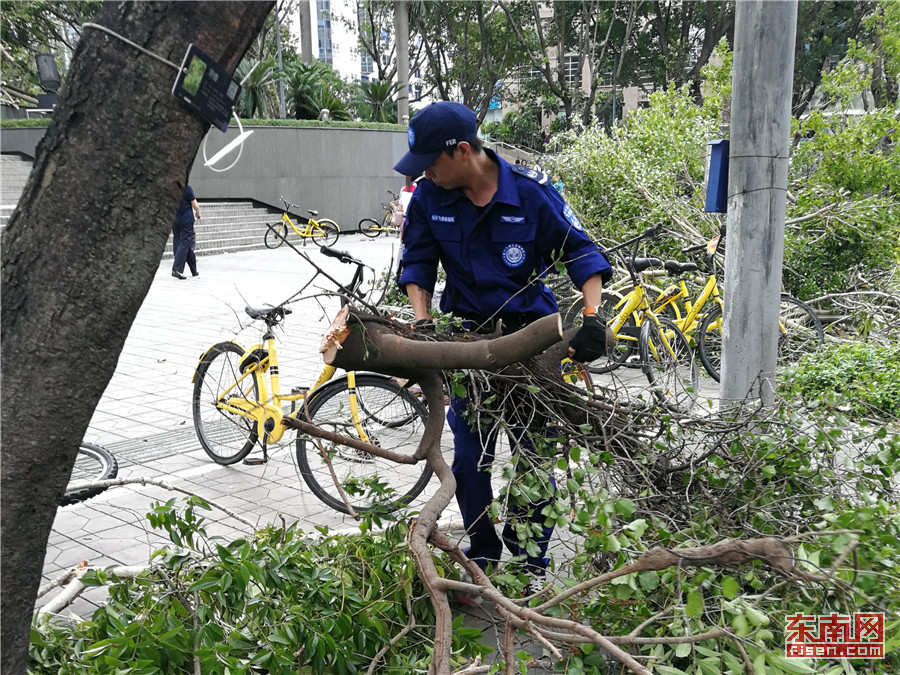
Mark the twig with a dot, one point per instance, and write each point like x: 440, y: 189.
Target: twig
x: 748, y: 664
x: 76, y: 586
x: 509, y: 645
x: 60, y: 581
x: 334, y: 478
x: 197, y: 669
x: 103, y: 484
x: 410, y: 624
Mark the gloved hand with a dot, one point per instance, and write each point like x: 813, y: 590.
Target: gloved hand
x: 590, y: 342
x: 424, y: 324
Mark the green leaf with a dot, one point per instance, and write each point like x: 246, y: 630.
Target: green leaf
x: 637, y: 527
x: 740, y: 624
x: 797, y: 666
x: 694, y: 605
x: 648, y: 580
x: 203, y: 584
x: 668, y: 670
x: 683, y: 650
x: 624, y: 507
x: 730, y: 587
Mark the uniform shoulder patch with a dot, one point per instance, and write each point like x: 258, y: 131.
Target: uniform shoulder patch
x: 570, y: 216
x: 533, y: 174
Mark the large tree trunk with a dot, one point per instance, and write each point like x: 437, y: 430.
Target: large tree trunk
x: 80, y: 253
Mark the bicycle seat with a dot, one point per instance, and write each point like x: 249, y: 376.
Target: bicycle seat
x: 675, y: 267
x: 268, y: 314
x: 641, y: 264
x: 312, y: 212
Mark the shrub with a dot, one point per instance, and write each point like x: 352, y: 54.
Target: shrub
x: 864, y: 377
x: 277, y: 602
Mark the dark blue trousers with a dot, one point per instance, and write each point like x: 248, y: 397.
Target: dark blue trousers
x: 472, y: 459
x: 183, y: 245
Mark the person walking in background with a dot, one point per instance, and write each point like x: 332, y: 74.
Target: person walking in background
x: 183, y: 235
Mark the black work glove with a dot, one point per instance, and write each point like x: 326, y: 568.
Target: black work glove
x: 424, y: 324
x: 590, y: 341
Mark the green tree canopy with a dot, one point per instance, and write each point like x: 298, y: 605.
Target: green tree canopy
x: 33, y: 27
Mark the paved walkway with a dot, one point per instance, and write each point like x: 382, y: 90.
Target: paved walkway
x: 144, y: 417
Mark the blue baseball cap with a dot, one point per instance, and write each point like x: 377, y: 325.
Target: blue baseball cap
x: 432, y: 130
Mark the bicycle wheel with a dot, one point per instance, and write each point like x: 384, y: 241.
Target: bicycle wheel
x: 326, y: 234
x: 387, y: 221
x: 668, y: 362
x: 226, y: 436
x: 392, y: 418
x: 611, y: 304
x: 369, y: 228
x: 799, y: 332
x: 93, y: 463
x: 275, y: 235
x: 570, y: 310
x: 709, y: 342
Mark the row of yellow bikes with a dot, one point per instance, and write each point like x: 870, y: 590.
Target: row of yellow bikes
x: 659, y: 329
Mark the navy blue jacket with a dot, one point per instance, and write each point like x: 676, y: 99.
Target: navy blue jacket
x: 185, y: 213
x: 493, y: 254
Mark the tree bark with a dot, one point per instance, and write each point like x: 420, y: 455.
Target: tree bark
x: 80, y: 253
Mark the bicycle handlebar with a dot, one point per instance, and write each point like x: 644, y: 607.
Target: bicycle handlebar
x: 343, y: 256
x: 287, y: 205
x: 702, y: 247
x: 649, y: 233
x: 694, y: 249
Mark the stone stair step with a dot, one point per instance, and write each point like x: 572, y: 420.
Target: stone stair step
x: 227, y: 225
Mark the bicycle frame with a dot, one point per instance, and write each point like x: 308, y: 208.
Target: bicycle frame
x: 268, y: 411
x: 669, y: 298
x: 307, y: 231
x: 636, y: 304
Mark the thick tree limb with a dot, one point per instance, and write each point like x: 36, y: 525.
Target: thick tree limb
x: 378, y: 347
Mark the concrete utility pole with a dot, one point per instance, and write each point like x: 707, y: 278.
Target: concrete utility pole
x: 764, y: 35
x: 401, y: 31
x: 305, y: 31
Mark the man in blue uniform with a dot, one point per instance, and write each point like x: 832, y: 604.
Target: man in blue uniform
x: 495, y: 228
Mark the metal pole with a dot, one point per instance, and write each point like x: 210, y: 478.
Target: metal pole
x: 278, y: 45
x: 764, y: 36
x: 401, y: 30
x: 613, y: 92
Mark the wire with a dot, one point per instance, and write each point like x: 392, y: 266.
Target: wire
x: 746, y: 192
x: 129, y: 42
x: 239, y: 142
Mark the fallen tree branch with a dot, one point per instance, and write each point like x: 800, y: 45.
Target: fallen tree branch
x: 76, y: 586
x: 312, y: 430
x: 115, y: 482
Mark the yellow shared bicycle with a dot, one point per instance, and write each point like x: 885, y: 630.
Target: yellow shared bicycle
x: 323, y: 232
x: 237, y: 404
x: 799, y: 329
x: 390, y: 224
